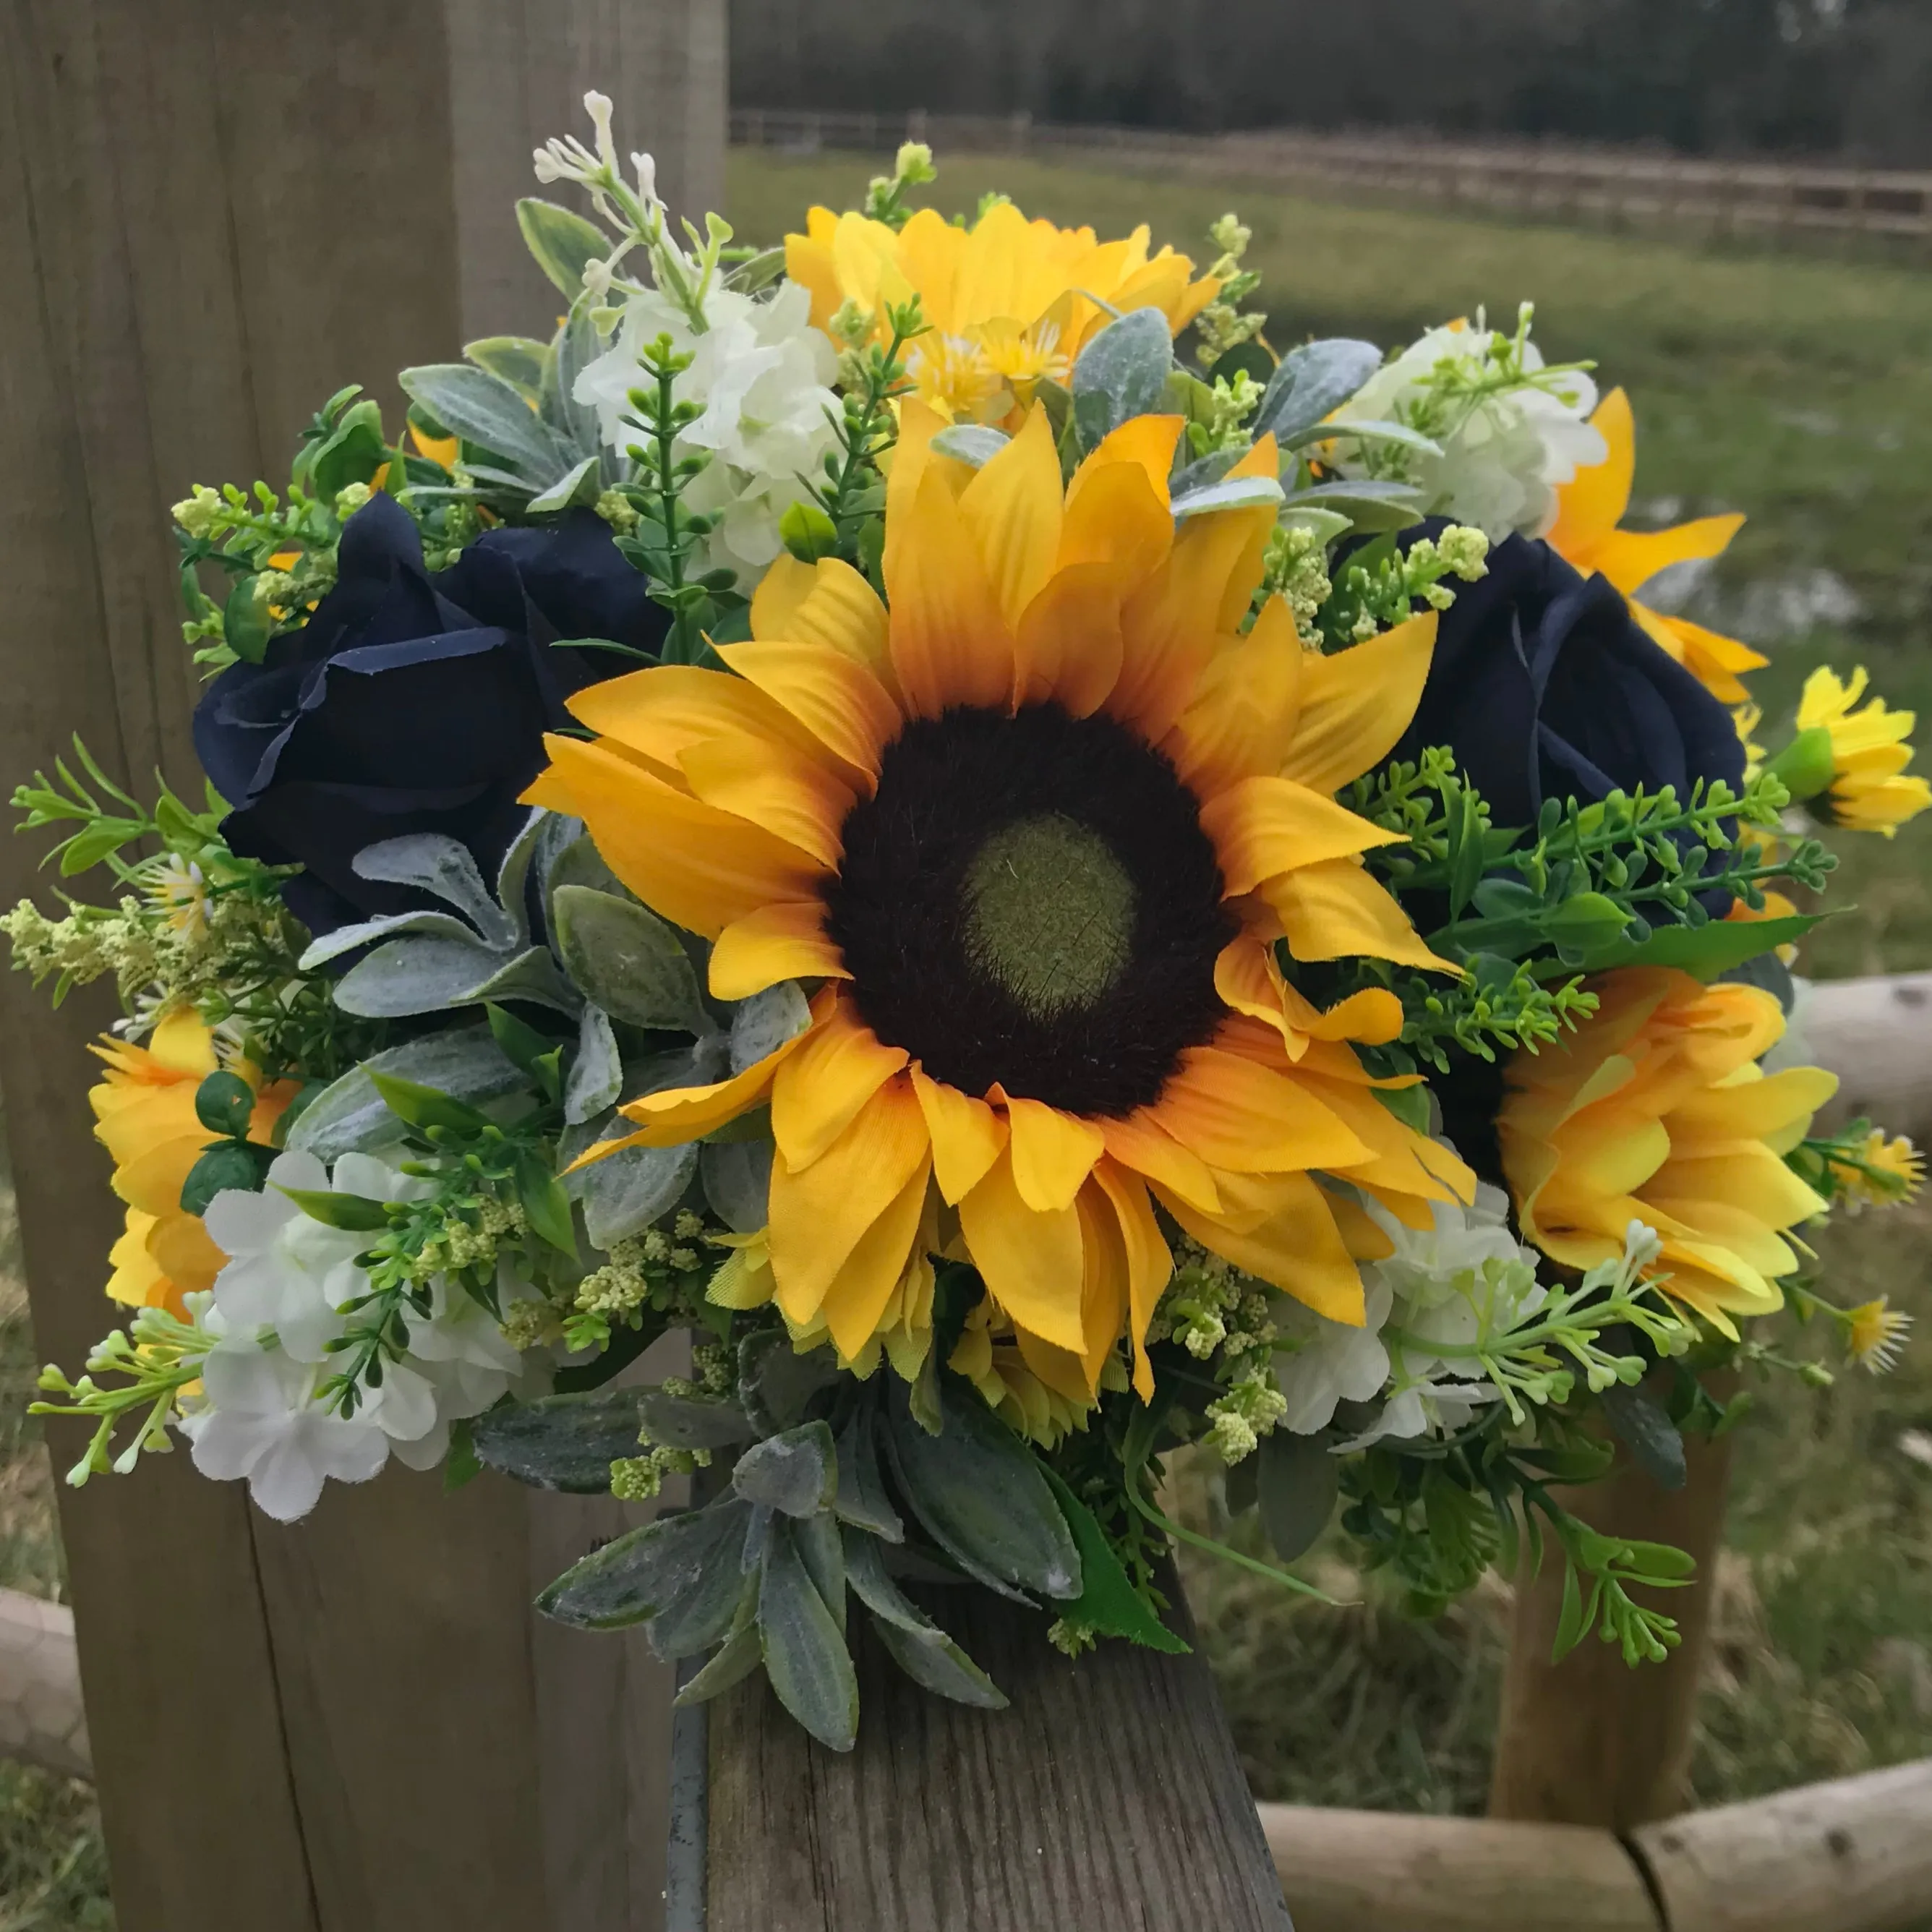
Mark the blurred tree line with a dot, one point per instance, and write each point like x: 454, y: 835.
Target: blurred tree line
x: 1851, y: 77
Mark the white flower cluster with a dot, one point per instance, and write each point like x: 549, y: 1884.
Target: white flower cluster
x: 763, y: 375
x: 1465, y: 1281
x: 1509, y: 432
x: 273, y: 1310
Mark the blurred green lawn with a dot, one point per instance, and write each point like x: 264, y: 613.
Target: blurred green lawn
x: 1798, y: 390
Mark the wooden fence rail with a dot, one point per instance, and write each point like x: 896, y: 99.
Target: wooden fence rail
x: 1776, y: 201
x: 1852, y: 1855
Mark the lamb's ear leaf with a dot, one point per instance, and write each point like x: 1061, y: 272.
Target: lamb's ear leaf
x: 565, y: 1442
x: 561, y: 241
x: 805, y: 1653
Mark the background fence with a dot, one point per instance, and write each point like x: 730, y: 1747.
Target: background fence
x: 1774, y: 201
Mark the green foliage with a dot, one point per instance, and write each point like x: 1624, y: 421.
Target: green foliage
x: 852, y: 495
x: 1587, y: 884
x: 1380, y: 583
x: 667, y: 541
x: 885, y: 194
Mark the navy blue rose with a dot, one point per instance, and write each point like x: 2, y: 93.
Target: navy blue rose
x: 414, y: 701
x: 1545, y: 686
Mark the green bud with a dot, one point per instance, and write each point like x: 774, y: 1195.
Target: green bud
x: 228, y: 1164
x: 1805, y: 766
x: 223, y: 1103
x: 1586, y: 918
x: 808, y: 532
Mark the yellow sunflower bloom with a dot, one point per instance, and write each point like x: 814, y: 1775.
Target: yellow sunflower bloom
x: 1870, y: 789
x: 1880, y: 1170
x: 144, y: 1115
x: 1589, y: 508
x: 1656, y: 1110
x: 1875, y: 1335
x: 1009, y: 301
x: 1038, y: 828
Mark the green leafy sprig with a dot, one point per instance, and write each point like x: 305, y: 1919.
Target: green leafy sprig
x: 667, y: 539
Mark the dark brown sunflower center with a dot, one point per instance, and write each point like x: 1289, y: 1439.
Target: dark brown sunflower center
x: 1032, y: 900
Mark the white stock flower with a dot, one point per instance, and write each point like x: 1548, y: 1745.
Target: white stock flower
x: 763, y: 376
x: 277, y: 1305
x: 1503, y: 454
x: 258, y: 1419
x: 286, y: 1271
x: 1465, y: 1279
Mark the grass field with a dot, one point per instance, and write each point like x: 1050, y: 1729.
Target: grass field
x: 1798, y: 390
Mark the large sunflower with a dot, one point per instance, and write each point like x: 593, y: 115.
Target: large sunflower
x: 1008, y: 301
x: 1037, y: 829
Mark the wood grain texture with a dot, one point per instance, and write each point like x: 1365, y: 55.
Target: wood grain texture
x: 1372, y: 1871
x: 1852, y: 1855
x: 1108, y: 1797
x: 209, y: 222
x: 1591, y: 1741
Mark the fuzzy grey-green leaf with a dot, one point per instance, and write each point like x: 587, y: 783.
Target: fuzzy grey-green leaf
x: 1122, y: 372
x: 978, y: 1492
x: 627, y: 960
x: 796, y: 1472
x: 631, y: 1579
x: 351, y: 1117
x: 565, y: 1442
x: 804, y: 1655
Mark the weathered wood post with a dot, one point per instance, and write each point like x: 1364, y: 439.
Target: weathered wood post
x: 1107, y: 1796
x: 209, y: 220
x: 1591, y: 1741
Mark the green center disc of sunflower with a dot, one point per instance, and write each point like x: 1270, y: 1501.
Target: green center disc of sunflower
x: 1049, y: 913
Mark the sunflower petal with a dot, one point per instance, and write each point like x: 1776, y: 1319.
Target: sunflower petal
x: 1356, y: 704
x: 1031, y: 1262
x: 839, y: 611
x: 820, y: 1213
x: 700, y: 867
x: 1012, y: 510
x: 1630, y: 558
x: 775, y: 943
x: 820, y: 1090
x: 1281, y: 1230
x: 1052, y: 1153
x: 1068, y: 648
x: 863, y: 1289
x: 831, y: 693
x: 1150, y: 1263
x: 1592, y: 503
x: 1246, y: 1119
x: 682, y: 1114
x: 660, y: 713
x: 1241, y: 723
x: 968, y: 1136
x: 1115, y: 515
x: 1140, y: 1142
x: 950, y: 643
x: 1145, y: 443
x: 803, y: 803
x: 1264, y: 827
x: 1335, y: 910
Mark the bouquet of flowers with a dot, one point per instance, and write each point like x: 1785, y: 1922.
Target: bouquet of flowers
x: 1057, y: 884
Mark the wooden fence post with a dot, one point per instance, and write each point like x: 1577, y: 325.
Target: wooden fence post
x: 1107, y: 1796
x: 1591, y: 1740
x: 209, y: 221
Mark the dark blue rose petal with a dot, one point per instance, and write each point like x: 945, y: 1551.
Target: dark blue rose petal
x: 412, y: 701
x: 1545, y: 686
